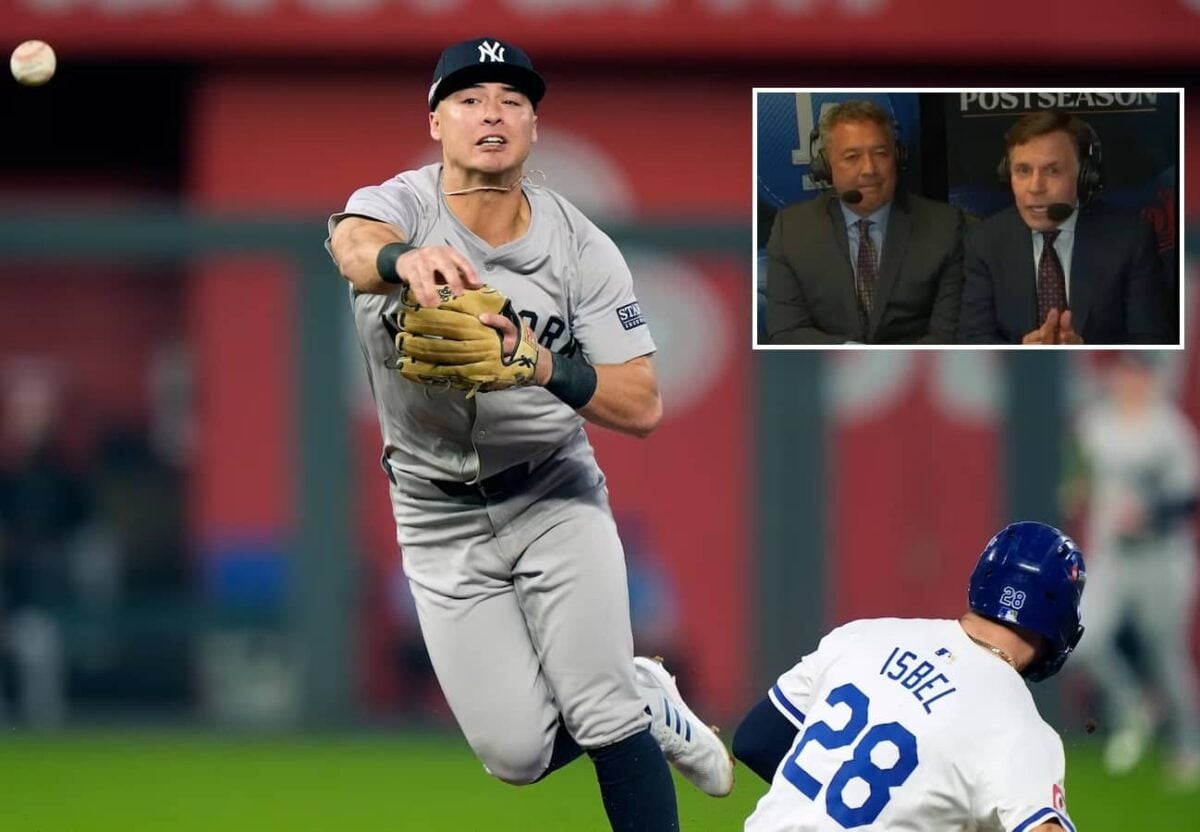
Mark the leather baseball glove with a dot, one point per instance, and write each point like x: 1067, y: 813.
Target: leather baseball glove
x: 447, y: 345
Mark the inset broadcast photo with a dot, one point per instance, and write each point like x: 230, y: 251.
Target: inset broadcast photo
x: 968, y: 218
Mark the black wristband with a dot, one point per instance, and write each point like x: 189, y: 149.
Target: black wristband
x: 385, y: 261
x: 572, y: 379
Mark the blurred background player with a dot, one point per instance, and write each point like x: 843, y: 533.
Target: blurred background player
x: 44, y: 507
x: 508, y: 540
x: 1139, y: 478
x: 927, y: 723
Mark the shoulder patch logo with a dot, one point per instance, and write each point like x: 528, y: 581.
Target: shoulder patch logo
x: 630, y: 315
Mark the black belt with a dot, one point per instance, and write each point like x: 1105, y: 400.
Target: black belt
x: 493, y: 487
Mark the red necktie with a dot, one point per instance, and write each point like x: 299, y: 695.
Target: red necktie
x: 1051, y: 284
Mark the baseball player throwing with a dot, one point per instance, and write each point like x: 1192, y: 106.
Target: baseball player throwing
x: 928, y: 724
x: 495, y: 318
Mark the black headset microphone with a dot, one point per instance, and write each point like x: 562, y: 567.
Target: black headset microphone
x: 1059, y: 211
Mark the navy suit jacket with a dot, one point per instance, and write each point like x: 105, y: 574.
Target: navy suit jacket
x: 1117, y: 292
x: 810, y: 282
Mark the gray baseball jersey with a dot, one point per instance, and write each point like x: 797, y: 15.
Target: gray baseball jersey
x: 564, y: 276
x: 1151, y: 458
x: 522, y: 596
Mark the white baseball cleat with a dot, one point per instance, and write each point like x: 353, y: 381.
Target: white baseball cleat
x: 1125, y: 749
x: 689, y: 745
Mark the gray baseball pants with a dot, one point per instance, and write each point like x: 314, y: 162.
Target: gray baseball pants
x: 524, y: 607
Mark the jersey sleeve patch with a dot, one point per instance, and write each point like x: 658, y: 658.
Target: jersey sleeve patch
x: 630, y: 315
x: 1041, y: 816
x: 794, y: 714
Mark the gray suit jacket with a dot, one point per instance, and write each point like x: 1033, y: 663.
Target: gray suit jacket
x: 810, y: 282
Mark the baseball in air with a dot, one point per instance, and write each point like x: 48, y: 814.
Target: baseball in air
x: 33, y: 63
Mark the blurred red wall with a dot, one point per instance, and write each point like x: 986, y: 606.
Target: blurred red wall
x: 915, y: 473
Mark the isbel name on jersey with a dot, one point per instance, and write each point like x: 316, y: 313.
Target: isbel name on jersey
x: 916, y: 675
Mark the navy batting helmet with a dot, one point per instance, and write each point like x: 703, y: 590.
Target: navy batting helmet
x: 1032, y: 575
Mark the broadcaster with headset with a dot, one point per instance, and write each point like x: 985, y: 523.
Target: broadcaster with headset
x: 1059, y: 267
x: 866, y: 262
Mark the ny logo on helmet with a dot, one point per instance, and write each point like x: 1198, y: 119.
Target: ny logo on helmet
x: 492, y: 51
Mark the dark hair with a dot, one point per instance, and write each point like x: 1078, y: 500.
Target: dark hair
x: 1045, y: 122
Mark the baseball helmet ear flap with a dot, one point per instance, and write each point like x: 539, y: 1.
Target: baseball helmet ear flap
x: 818, y: 159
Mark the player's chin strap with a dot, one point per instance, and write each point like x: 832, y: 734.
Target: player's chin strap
x: 525, y: 178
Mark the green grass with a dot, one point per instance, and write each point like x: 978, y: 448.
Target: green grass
x: 180, y: 783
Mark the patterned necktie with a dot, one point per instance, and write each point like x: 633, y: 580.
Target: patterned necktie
x: 868, y: 270
x: 1051, y: 284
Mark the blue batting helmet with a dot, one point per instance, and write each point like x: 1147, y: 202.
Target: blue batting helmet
x: 1032, y: 575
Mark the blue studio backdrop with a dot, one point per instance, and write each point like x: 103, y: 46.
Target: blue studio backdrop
x: 785, y: 120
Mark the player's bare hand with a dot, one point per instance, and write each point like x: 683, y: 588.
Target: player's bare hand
x: 1047, y: 333
x: 423, y: 269
x: 507, y: 329
x: 1066, y: 332
x: 508, y: 345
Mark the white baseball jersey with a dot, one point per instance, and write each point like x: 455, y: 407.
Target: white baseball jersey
x: 906, y: 724
x: 1152, y: 458
x: 564, y: 276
